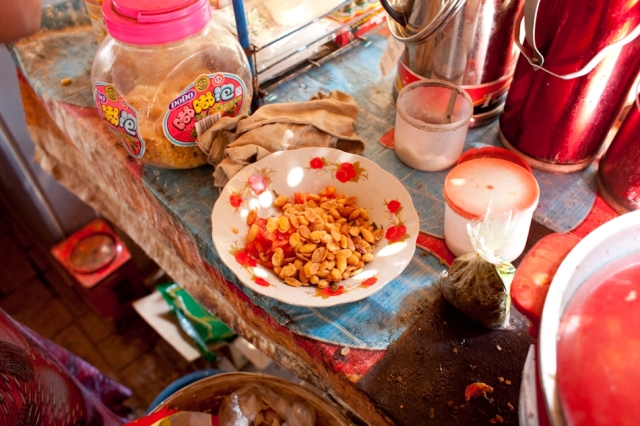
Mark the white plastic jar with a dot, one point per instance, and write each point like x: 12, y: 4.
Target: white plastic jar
x: 164, y: 67
x: 474, y: 185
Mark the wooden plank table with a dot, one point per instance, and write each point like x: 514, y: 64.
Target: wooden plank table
x: 404, y: 357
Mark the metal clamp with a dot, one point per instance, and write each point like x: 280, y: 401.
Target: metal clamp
x: 445, y: 15
x: 530, y: 14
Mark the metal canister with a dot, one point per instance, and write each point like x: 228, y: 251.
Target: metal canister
x: 619, y: 168
x: 466, y: 42
x: 578, y: 63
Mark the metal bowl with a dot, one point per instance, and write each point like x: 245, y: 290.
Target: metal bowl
x: 207, y: 395
x: 614, y: 240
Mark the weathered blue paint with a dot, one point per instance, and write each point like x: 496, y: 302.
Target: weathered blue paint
x: 189, y: 195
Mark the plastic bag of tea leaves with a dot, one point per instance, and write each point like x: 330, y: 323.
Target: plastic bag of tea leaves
x: 478, y: 284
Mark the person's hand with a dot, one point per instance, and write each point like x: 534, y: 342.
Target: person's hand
x: 19, y: 19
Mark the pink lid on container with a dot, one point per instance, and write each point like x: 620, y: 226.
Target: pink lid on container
x: 149, y: 22
x: 470, y: 186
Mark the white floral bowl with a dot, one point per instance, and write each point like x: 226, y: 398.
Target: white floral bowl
x: 311, y: 170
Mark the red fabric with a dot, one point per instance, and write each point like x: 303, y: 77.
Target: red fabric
x: 388, y: 139
x: 437, y: 247
x: 153, y: 418
x: 43, y: 384
x: 599, y: 214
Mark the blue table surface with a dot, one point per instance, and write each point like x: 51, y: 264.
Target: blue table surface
x: 376, y: 322
x: 189, y: 195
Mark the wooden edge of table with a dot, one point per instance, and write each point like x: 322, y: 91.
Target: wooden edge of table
x: 89, y: 161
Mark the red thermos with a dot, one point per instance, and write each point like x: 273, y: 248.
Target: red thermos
x: 619, y: 169
x: 570, y: 85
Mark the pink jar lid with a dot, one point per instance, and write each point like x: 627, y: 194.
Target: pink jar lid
x: 471, y: 185
x: 148, y: 22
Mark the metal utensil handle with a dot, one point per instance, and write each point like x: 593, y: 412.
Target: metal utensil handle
x: 444, y: 16
x: 530, y: 14
x: 450, y: 105
x: 394, y: 14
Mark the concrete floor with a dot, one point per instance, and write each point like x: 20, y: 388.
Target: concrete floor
x: 36, y: 291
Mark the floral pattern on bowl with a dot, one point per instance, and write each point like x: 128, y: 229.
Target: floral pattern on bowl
x: 310, y: 170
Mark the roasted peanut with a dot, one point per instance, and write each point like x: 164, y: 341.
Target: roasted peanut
x: 304, y: 232
x: 283, y: 224
x: 343, y: 241
x: 292, y: 282
x: 335, y: 233
x: 367, y: 235
x: 252, y: 216
x: 280, y: 201
x: 330, y: 238
x: 311, y: 268
x: 294, y: 240
x: 333, y: 247
x: 316, y: 236
x: 345, y: 252
x: 319, y: 254
x: 324, y: 274
x: 302, y: 220
x: 346, y: 211
x: 272, y: 224
x: 278, y: 256
x: 288, y: 271
x: 308, y: 248
x: 253, y: 233
x: 310, y: 215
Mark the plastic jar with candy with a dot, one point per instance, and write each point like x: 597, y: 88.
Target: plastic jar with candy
x: 164, y: 68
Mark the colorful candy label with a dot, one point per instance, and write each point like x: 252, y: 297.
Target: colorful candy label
x: 208, y: 99
x: 120, y: 117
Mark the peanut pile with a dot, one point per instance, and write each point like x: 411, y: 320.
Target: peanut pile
x: 330, y: 238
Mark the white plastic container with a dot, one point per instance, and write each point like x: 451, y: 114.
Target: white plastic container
x: 471, y: 187
x: 432, y: 119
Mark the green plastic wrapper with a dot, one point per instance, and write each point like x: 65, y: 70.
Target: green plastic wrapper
x: 204, y: 328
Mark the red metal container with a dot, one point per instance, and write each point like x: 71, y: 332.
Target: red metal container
x: 619, y: 169
x: 571, y: 83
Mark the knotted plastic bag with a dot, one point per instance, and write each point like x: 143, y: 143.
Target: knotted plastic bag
x: 478, y: 284
x: 257, y: 405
